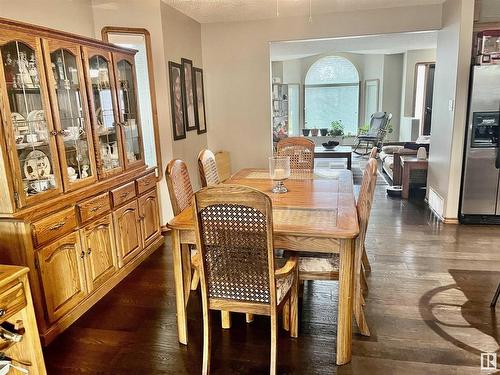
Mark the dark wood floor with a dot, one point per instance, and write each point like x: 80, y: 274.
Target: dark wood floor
x: 427, y: 307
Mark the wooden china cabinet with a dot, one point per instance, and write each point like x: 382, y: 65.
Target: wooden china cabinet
x: 79, y: 206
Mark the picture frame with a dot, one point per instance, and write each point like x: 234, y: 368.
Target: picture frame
x: 199, y: 91
x: 189, y: 97
x: 177, y: 100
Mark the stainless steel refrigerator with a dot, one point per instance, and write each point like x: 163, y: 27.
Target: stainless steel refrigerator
x: 480, y: 200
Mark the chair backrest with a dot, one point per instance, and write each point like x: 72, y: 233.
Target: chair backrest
x: 223, y: 161
x: 179, y: 185
x: 234, y: 234
x: 208, y: 168
x: 373, y: 153
x: 300, y: 150
x: 379, y: 123
x: 365, y: 198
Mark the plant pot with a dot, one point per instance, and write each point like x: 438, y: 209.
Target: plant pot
x: 323, y: 132
x: 305, y: 132
x: 314, y: 132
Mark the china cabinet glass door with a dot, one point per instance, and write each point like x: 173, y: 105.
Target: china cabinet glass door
x: 28, y: 127
x: 129, y: 109
x: 70, y: 114
x: 100, y: 82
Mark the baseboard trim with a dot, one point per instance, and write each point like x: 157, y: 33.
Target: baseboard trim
x: 444, y: 220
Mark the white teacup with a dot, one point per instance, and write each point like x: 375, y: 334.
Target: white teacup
x: 31, y: 138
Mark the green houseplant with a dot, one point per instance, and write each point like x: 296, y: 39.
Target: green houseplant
x: 336, y: 129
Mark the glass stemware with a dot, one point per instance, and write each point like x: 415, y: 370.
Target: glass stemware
x: 279, y: 171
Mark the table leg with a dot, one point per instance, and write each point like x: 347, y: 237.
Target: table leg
x: 179, y: 288
x: 406, y: 182
x: 346, y: 292
x: 349, y: 161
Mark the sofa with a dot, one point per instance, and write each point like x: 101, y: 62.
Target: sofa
x: 390, y: 153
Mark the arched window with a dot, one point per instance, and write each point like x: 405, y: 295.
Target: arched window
x: 332, y: 94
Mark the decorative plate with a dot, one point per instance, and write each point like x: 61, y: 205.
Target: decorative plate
x: 36, y: 165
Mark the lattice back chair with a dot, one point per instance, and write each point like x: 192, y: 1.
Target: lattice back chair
x: 374, y: 153
x: 234, y: 233
x: 181, y: 195
x: 208, y: 168
x: 300, y: 150
x: 366, y: 262
x: 320, y: 267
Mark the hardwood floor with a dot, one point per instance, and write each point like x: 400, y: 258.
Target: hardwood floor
x: 427, y: 308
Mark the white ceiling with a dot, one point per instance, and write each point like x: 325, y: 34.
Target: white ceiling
x: 372, y: 44
x: 208, y: 11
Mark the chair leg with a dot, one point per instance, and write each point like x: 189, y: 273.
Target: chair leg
x: 226, y: 319
x: 285, y: 313
x: 294, y: 307
x: 249, y: 318
x: 359, y: 313
x: 495, y: 297
x: 364, y: 285
x: 195, y: 280
x: 274, y: 343
x: 366, y: 262
x: 207, y: 340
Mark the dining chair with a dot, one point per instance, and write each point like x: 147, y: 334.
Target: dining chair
x: 208, y: 168
x: 181, y: 195
x: 234, y: 235
x: 366, y: 263
x: 300, y: 150
x: 327, y: 267
x: 223, y: 162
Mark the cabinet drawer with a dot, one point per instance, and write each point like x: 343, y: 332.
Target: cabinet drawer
x: 146, y: 183
x: 93, y: 207
x: 123, y: 194
x: 12, y: 300
x: 54, y: 226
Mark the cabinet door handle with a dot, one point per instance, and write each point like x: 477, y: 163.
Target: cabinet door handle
x: 94, y: 209
x: 2, y: 312
x: 57, y: 225
x: 89, y: 251
x: 82, y: 254
x: 124, y: 195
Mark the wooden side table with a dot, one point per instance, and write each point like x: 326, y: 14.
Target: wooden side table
x: 409, y: 164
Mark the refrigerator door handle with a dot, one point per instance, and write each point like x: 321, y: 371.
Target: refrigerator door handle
x: 497, y: 159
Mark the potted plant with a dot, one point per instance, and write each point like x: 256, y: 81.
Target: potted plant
x: 336, y: 129
x: 323, y: 131
x: 314, y: 132
x: 305, y: 132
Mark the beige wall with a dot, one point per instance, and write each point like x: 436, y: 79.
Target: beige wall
x: 72, y: 16
x: 391, y: 95
x: 182, y: 38
x: 448, y: 126
x: 236, y: 59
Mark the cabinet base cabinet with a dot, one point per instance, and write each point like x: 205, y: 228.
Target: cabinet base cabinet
x: 69, y: 318
x: 62, y: 274
x: 100, y: 255
x: 127, y: 232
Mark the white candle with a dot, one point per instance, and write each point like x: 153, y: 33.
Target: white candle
x: 279, y: 174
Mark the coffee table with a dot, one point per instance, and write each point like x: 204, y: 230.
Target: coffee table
x: 409, y: 164
x: 339, y: 152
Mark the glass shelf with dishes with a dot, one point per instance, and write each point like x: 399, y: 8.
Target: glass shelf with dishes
x: 72, y: 119
x: 30, y: 131
x: 108, y: 147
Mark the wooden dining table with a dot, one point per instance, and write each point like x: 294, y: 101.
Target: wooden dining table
x: 317, y: 214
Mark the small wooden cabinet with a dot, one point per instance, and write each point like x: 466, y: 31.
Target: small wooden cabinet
x: 79, y: 206
x: 99, y: 247
x: 150, y: 220
x: 128, y: 232
x: 62, y: 271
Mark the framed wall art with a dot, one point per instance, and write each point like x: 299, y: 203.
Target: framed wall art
x: 176, y: 100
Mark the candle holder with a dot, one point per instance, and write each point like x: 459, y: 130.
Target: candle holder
x: 279, y: 171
